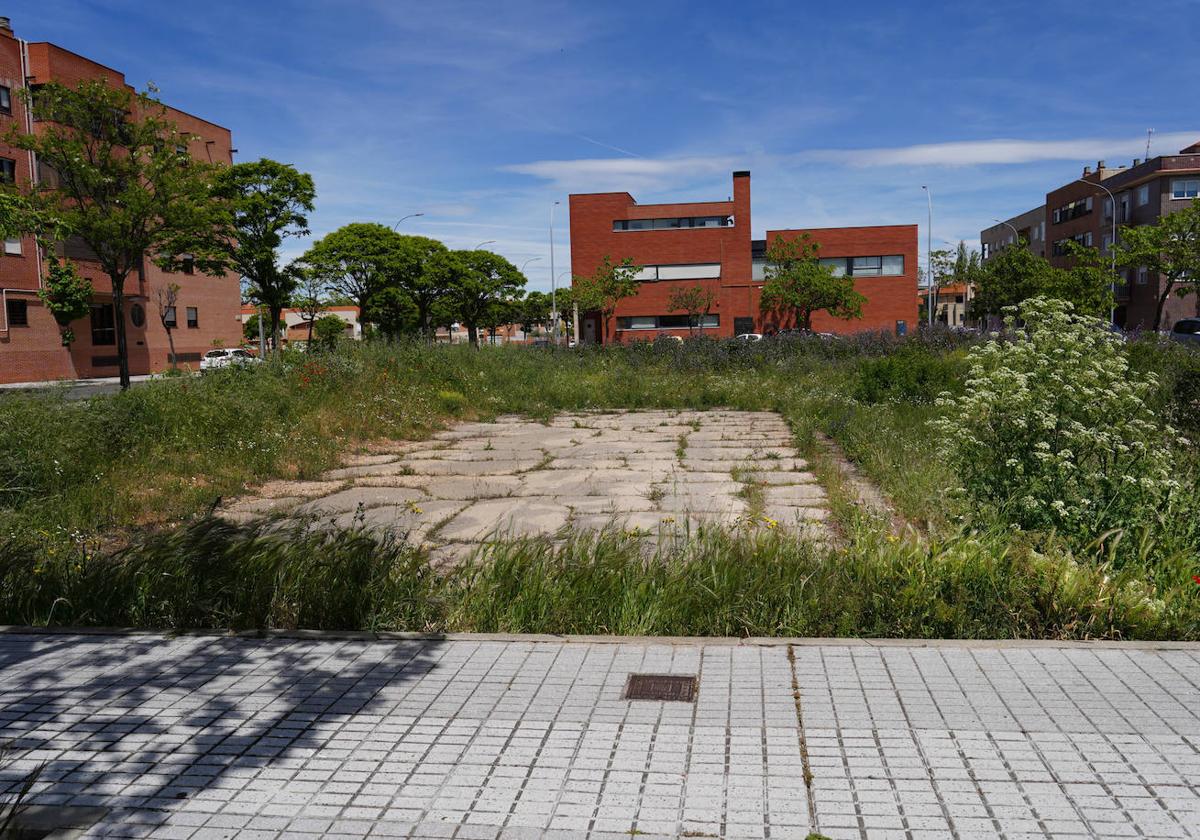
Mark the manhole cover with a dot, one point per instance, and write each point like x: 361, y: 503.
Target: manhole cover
x: 660, y: 687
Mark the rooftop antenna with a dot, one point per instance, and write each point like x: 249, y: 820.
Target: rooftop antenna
x: 1149, y: 134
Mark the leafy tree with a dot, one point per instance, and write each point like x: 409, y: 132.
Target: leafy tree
x: 357, y: 260
x: 480, y: 283
x: 67, y: 296
x: 393, y: 311
x: 310, y: 301
x: 167, y: 297
x: 1170, y: 248
x: 1016, y: 274
x: 124, y: 183
x: 329, y: 331
x: 534, y: 310
x: 250, y: 328
x: 798, y: 284
x: 269, y: 202
x: 1088, y: 284
x: 605, y: 289
x: 414, y: 277
x: 696, y: 301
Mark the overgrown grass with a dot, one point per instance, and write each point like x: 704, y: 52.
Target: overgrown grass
x: 118, y: 486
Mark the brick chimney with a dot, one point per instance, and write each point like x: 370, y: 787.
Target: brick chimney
x: 6, y: 30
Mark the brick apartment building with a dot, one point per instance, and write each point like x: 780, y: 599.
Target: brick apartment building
x: 1083, y: 211
x: 207, y: 311
x: 710, y: 244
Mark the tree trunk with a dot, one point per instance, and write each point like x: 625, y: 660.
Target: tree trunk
x: 311, y: 321
x: 806, y: 321
x: 118, y: 287
x: 472, y: 334
x: 171, y: 347
x: 1162, y: 304
x: 275, y: 312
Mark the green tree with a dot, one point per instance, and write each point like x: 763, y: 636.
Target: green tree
x: 250, y: 328
x: 696, y: 301
x: 329, y: 330
x: 481, y: 284
x: 414, y: 277
x: 67, y: 296
x: 269, y: 202
x: 123, y: 182
x: 1170, y: 249
x: 1017, y: 274
x: 604, y: 289
x: 534, y: 311
x: 310, y: 297
x: 357, y: 260
x: 797, y: 283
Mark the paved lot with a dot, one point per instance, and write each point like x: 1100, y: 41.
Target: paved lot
x: 208, y: 737
x: 650, y: 472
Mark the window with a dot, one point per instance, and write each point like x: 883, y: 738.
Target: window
x: 137, y: 315
x: 193, y: 317
x: 888, y: 266
x: 902, y: 328
x: 866, y: 266
x: 5, y: 100
x: 663, y: 322
x: 104, y: 325
x: 1143, y: 195
x: 189, y: 264
x: 8, y: 170
x: 12, y: 247
x: 169, y: 318
x: 673, y: 223
x: 18, y: 313
x: 1142, y: 276
x: 838, y: 264
x: 893, y: 266
x: 1185, y: 188
x: 1075, y: 209
x: 698, y: 271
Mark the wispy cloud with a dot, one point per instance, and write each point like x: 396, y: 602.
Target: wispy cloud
x: 624, y: 174
x: 1004, y: 151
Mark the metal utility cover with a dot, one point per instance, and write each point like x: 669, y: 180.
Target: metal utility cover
x: 661, y: 687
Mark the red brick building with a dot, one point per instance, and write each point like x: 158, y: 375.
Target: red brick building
x: 710, y: 244
x: 207, y: 310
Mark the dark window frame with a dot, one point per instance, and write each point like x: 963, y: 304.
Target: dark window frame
x: 6, y: 100
x: 192, y: 313
x: 171, y: 317
x: 17, y: 312
x: 8, y: 170
x: 104, y: 327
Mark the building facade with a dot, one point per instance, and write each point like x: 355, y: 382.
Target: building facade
x: 710, y: 244
x: 1028, y: 227
x: 1083, y: 211
x: 207, y: 308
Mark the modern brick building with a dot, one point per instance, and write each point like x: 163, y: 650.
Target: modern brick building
x: 1082, y: 210
x: 710, y: 244
x: 207, y: 310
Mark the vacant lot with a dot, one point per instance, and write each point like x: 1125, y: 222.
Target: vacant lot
x: 105, y: 503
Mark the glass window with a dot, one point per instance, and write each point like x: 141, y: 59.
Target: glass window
x: 866, y: 266
x: 18, y: 313
x: 5, y: 100
x: 12, y: 247
x: 902, y: 328
x: 169, y: 318
x: 689, y: 272
x: 8, y: 170
x: 137, y: 315
x: 1143, y: 195
x: 838, y: 264
x: 648, y: 273
x: 193, y: 317
x: 104, y: 325
x: 893, y: 266
x: 1185, y: 188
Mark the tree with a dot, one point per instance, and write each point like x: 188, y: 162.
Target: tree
x: 605, y: 288
x: 480, y: 283
x: 167, y: 296
x: 329, y: 331
x: 414, y: 258
x: 534, y: 310
x: 67, y: 296
x: 310, y: 300
x: 696, y: 301
x: 269, y: 202
x: 357, y: 260
x: 124, y: 183
x: 1170, y: 249
x: 1017, y: 274
x: 798, y: 284
x: 250, y: 328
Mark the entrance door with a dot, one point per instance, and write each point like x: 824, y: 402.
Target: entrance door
x: 589, y: 330
x: 741, y: 326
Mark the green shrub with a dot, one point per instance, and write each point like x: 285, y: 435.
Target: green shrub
x: 452, y: 402
x: 1055, y: 432
x: 911, y: 375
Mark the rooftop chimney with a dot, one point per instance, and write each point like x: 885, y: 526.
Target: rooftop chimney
x: 1137, y: 161
x: 1087, y: 170
x: 1099, y: 164
x: 5, y: 24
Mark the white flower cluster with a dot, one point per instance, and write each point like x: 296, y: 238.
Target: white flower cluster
x: 1053, y: 429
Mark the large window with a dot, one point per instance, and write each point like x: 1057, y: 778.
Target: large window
x: 8, y: 170
x: 193, y: 317
x: 664, y: 322
x: 886, y: 266
x: 1075, y: 209
x: 17, y: 312
x: 5, y: 100
x: 104, y: 325
x: 673, y: 223
x: 1185, y: 188
x: 1143, y: 195
x: 697, y: 271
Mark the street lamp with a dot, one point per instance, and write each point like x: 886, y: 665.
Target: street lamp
x: 1112, y: 245
x: 553, y: 278
x: 484, y: 242
x: 1009, y: 225
x: 409, y: 216
x: 930, y: 287
x: 527, y: 262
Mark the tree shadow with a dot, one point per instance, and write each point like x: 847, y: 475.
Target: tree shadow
x: 149, y: 724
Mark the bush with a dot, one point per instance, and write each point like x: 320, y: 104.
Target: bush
x: 910, y: 375
x: 1055, y: 432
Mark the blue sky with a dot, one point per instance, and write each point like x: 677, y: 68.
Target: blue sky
x: 481, y: 114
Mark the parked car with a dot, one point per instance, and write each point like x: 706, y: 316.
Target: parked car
x: 227, y: 356
x: 748, y: 337
x: 1187, y: 330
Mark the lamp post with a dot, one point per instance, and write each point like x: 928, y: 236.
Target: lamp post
x: 1016, y: 233
x: 409, y: 216
x: 484, y: 242
x: 930, y: 287
x: 527, y: 262
x: 1112, y: 246
x: 553, y: 279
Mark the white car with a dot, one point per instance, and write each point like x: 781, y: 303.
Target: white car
x: 749, y: 337
x: 226, y: 356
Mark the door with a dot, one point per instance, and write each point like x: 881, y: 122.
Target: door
x: 589, y: 330
x: 741, y: 326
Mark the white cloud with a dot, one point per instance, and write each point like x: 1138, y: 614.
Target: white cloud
x: 622, y: 174
x: 1006, y: 151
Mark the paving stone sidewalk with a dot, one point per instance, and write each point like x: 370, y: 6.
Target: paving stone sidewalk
x: 651, y: 472
x: 206, y: 737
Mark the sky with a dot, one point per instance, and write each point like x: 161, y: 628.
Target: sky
x: 480, y: 115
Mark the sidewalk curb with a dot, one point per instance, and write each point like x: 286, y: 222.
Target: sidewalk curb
x: 550, y: 638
